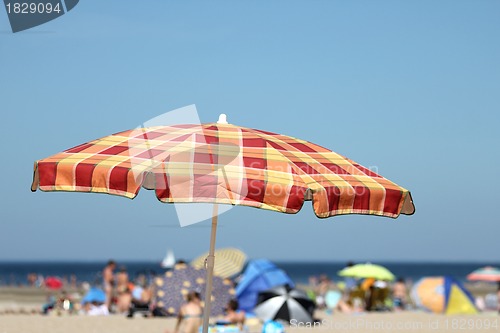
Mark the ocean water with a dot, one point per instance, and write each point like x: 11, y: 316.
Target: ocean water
x: 15, y: 273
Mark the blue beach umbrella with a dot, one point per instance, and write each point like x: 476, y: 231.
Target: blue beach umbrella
x: 94, y: 295
x: 260, y: 275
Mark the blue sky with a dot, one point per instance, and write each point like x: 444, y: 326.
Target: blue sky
x: 408, y: 87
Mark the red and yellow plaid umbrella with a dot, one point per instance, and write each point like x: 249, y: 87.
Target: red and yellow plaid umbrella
x: 226, y: 164
x: 222, y: 163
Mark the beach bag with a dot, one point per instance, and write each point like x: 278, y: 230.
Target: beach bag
x: 272, y: 326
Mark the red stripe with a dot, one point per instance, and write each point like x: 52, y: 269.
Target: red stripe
x: 254, y: 142
x: 208, y: 139
x: 79, y: 148
x: 115, y: 150
x: 333, y: 195
x: 118, y: 179
x: 253, y: 162
x: 256, y: 190
x: 296, y: 198
x: 258, y: 131
x: 162, y: 188
x: 334, y: 168
x: 203, y: 158
x: 361, y: 198
x: 211, y: 128
x: 47, y: 172
x: 367, y: 171
x: 306, y: 168
x: 302, y: 147
x: 83, y: 174
x: 392, y: 201
x: 276, y: 146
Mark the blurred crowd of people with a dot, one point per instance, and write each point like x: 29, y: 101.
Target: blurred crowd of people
x: 353, y: 295
x: 126, y: 295
x: 123, y: 295
x: 118, y: 293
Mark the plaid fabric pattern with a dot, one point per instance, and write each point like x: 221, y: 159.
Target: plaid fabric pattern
x: 223, y: 163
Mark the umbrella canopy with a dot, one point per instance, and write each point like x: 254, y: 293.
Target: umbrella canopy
x: 485, y: 274
x: 367, y: 271
x: 53, y: 282
x: 285, y: 303
x: 260, y: 275
x: 172, y: 287
x: 442, y: 294
x: 223, y: 164
x: 94, y: 295
x: 229, y: 262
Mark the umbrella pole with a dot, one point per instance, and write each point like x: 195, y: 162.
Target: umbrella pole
x: 210, y: 270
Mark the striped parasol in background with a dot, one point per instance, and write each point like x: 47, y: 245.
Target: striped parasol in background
x: 487, y: 273
x: 229, y: 262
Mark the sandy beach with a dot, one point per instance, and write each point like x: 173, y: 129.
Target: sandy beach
x: 373, y: 322
x: 18, y: 307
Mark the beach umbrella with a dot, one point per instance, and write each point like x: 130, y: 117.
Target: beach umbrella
x: 94, y: 295
x: 229, y: 262
x: 221, y: 163
x: 172, y: 287
x: 487, y: 273
x: 367, y: 271
x: 284, y: 303
x: 442, y: 294
x: 53, y: 282
x: 259, y: 275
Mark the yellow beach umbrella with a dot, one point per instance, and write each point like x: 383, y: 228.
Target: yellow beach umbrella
x: 367, y: 271
x: 230, y: 261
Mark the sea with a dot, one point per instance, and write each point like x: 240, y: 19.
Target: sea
x: 16, y: 273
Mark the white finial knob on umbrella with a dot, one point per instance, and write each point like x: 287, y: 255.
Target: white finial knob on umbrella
x: 222, y: 119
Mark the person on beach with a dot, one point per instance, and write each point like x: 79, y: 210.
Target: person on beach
x: 108, y: 281
x: 122, y: 281
x: 190, y: 315
x: 399, y: 295
x: 124, y: 301
x: 324, y: 285
x: 233, y: 316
